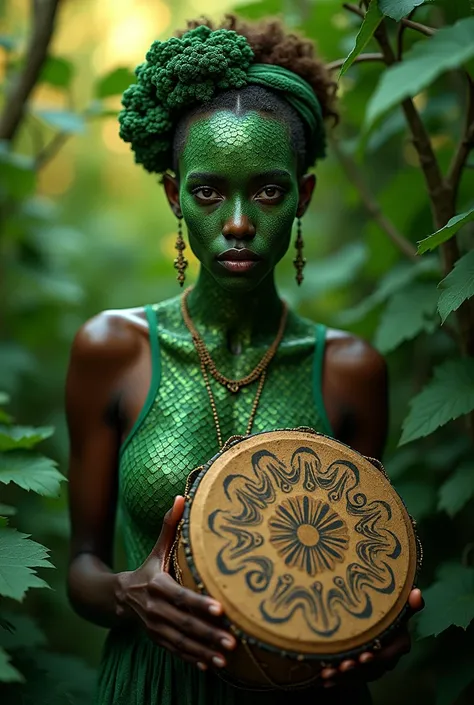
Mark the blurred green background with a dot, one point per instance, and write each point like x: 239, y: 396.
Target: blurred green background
x: 88, y: 230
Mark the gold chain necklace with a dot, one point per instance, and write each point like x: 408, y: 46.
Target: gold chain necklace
x: 233, y: 385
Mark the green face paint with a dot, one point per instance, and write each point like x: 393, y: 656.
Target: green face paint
x: 238, y: 188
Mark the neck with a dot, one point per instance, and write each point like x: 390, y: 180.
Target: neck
x: 240, y: 316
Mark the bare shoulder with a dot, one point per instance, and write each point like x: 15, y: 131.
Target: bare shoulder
x: 110, y: 336
x: 351, y: 356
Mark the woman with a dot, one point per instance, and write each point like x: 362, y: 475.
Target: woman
x: 233, y: 119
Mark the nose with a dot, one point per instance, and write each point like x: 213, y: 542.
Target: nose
x: 239, y: 226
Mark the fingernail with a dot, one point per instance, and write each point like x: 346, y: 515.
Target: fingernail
x: 218, y: 661
x: 366, y: 658
x: 329, y: 673
x: 227, y: 643
x: 202, y: 666
x: 347, y: 667
x: 215, y: 608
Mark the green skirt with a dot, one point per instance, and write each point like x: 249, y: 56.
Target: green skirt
x: 134, y: 671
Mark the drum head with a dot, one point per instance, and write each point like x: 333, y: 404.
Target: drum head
x: 304, y: 541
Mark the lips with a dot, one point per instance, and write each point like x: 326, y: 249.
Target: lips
x: 238, y: 255
x: 239, y: 261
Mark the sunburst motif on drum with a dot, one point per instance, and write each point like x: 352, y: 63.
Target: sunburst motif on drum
x: 308, y: 534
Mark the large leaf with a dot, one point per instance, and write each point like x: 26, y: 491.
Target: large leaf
x: 419, y: 497
x: 22, y: 436
x: 447, y: 396
x: 449, y: 48
x: 445, y: 233
x: 334, y: 271
x: 8, y: 674
x: 457, y: 490
x: 115, y: 82
x: 449, y: 601
x: 457, y: 286
x: 408, y: 313
x: 57, y: 72
x: 31, y: 472
x: 18, y: 555
x: 62, y: 120
x: 23, y: 632
x: 395, y: 279
x: 396, y: 9
x: 371, y: 21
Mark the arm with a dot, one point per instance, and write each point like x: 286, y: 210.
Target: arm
x: 355, y: 390
x: 105, y: 358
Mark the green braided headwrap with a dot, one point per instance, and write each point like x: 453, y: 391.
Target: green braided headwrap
x: 187, y: 71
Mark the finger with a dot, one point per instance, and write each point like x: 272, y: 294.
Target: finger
x: 328, y: 673
x: 170, y: 647
x: 396, y: 649
x: 164, y: 586
x: 366, y: 657
x: 187, y: 647
x: 168, y: 529
x: 415, y: 600
x: 347, y: 666
x: 192, y: 626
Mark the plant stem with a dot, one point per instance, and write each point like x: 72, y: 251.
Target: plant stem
x: 44, y: 15
x: 359, y: 59
x: 356, y: 177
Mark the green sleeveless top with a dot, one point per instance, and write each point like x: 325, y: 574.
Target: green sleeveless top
x: 175, y: 433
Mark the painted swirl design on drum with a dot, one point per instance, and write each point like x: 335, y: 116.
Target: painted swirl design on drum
x: 244, y: 549
x: 308, y: 534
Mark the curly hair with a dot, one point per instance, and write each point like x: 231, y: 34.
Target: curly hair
x: 204, y: 68
x: 273, y: 44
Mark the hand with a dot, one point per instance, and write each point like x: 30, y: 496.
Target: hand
x: 372, y: 665
x: 174, y: 617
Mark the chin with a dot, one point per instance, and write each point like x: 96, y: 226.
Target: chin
x: 239, y: 283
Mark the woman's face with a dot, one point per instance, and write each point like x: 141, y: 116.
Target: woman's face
x: 239, y: 195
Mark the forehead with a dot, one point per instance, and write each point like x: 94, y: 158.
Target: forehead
x: 225, y: 140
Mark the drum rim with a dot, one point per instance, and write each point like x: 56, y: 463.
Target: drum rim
x: 241, y: 634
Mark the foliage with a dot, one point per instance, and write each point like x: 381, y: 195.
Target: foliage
x: 82, y: 230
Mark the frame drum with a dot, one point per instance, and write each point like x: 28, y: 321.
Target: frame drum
x: 307, y: 546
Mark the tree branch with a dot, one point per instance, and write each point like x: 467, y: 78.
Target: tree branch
x: 44, y: 14
x: 51, y: 149
x: 355, y: 176
x: 418, y: 27
x: 466, y: 144
x: 333, y: 65
x: 354, y: 8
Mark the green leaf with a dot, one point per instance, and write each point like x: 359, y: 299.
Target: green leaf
x: 62, y: 120
x: 7, y: 511
x: 457, y: 286
x: 395, y: 279
x: 23, y: 632
x: 418, y: 496
x: 449, y: 48
x: 8, y: 674
x: 457, y: 490
x: 8, y: 43
x: 57, y: 72
x: 18, y: 555
x: 445, y: 233
x: 371, y: 21
x: 115, y: 82
x: 31, y: 472
x: 4, y: 398
x: 22, y: 436
x: 449, y: 601
x: 335, y: 271
x: 396, y: 9
x: 408, y: 313
x: 455, y: 9
x: 17, y: 175
x: 448, y: 395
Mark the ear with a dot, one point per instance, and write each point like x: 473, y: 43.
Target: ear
x: 306, y: 188
x: 171, y: 187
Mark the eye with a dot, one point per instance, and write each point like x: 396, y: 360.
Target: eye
x: 206, y: 193
x: 270, y: 193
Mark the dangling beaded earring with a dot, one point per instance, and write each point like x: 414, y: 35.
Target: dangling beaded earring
x: 299, y: 260
x: 180, y: 262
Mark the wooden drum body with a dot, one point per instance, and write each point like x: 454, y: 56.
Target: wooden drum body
x: 306, y: 545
